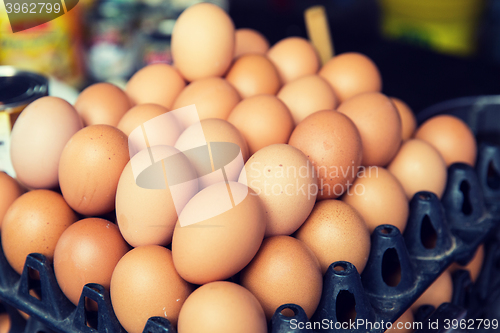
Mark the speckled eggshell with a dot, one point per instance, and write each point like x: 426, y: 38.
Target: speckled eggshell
x: 87, y: 252
x: 145, y: 284
x: 419, y: 167
x: 379, y: 197
x: 283, y: 178
x: 10, y: 190
x: 379, y: 125
x: 306, y: 95
x: 335, y: 231
x: 284, y: 271
x: 332, y: 143
x: 90, y: 167
x: 222, y: 307
x: 102, y: 103
x: 33, y: 224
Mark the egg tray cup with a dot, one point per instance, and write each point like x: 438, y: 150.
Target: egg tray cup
x: 467, y: 214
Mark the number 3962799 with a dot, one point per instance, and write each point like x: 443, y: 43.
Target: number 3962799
x: 33, y: 8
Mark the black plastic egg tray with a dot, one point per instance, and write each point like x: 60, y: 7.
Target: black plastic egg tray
x: 438, y: 233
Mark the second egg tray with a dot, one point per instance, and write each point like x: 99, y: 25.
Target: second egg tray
x: 399, y: 269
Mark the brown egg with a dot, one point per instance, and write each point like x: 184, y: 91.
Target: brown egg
x: 284, y: 180
x: 408, y: 119
x: 87, y: 252
x: 5, y: 323
x: 222, y: 307
x: 379, y: 125
x: 138, y: 115
x: 10, y: 190
x: 294, y: 57
x: 307, y: 95
x: 335, y: 231
x: 250, y: 41
x: 102, y: 103
x: 213, y: 97
x: 284, y: 271
x: 439, y: 292
x: 213, y: 131
x: 38, y: 139
x: 203, y: 42
x: 419, y: 167
x: 351, y: 74
x: 147, y: 216
x: 145, y: 284
x: 332, y: 143
x: 157, y: 83
x: 90, y: 167
x: 451, y: 137
x: 254, y: 74
x: 33, y: 224
x: 379, y: 197
x: 404, y: 324
x: 474, y: 266
x: 263, y: 120
x: 218, y: 233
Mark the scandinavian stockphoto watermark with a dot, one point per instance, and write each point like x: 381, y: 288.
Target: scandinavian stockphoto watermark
x: 26, y: 14
x: 357, y: 324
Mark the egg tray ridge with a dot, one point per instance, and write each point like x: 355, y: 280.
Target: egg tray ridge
x: 467, y: 214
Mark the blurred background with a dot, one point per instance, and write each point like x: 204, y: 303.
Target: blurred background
x: 428, y: 51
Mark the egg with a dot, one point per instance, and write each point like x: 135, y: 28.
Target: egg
x: 379, y: 125
x: 249, y: 41
x: 102, y: 103
x: 284, y: 180
x: 87, y: 252
x: 213, y: 97
x: 451, y: 137
x: 306, y: 95
x: 332, y: 143
x: 5, y: 323
x: 379, y: 197
x: 33, y: 224
x: 294, y: 57
x: 139, y: 114
x: 408, y: 119
x: 284, y: 271
x: 90, y: 167
x: 263, y: 120
x: 474, y: 266
x: 157, y: 84
x: 203, y: 42
x: 419, y: 167
x: 404, y: 324
x: 254, y: 74
x: 218, y: 233
x: 38, y: 138
x: 439, y: 292
x: 351, y: 74
x: 145, y: 284
x: 335, y: 231
x: 10, y: 190
x: 213, y: 132
x: 222, y: 307
x: 147, y: 216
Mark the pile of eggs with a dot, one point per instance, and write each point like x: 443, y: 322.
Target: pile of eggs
x: 327, y: 159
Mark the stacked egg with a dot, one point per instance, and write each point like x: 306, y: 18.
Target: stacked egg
x: 319, y: 157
